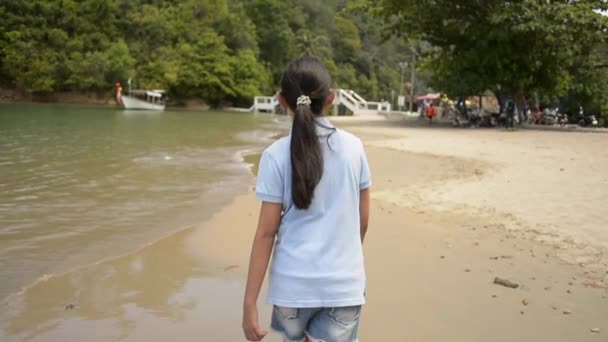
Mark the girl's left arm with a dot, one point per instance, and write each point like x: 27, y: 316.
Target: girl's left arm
x: 268, y: 226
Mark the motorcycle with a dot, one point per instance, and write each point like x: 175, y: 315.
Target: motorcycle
x: 587, y: 121
x: 550, y: 116
x: 562, y: 119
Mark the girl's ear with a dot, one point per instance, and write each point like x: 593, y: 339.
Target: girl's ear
x: 282, y: 100
x: 330, y: 98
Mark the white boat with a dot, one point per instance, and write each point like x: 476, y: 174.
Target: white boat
x: 144, y: 99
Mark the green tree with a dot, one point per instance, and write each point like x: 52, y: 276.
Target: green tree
x: 347, y: 43
x: 589, y: 86
x: 513, y: 48
x: 205, y: 70
x: 120, y: 62
x: 275, y: 37
x: 31, y: 67
x: 251, y: 78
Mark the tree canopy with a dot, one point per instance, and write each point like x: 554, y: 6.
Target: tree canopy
x: 223, y: 51
x: 515, y: 48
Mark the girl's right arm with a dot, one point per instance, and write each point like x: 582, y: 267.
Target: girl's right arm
x: 268, y: 225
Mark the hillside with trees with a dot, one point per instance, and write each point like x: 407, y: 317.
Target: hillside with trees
x: 222, y: 51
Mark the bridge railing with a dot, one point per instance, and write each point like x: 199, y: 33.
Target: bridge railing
x: 348, y: 98
x: 265, y: 103
x: 379, y: 106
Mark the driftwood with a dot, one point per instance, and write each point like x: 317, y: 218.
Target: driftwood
x: 505, y: 283
x: 501, y: 257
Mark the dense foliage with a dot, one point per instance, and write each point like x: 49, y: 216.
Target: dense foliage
x: 519, y: 49
x: 223, y: 51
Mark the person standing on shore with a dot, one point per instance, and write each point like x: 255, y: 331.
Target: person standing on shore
x: 431, y: 114
x: 314, y: 187
x: 118, y: 90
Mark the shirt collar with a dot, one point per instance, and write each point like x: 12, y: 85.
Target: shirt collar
x: 323, y: 126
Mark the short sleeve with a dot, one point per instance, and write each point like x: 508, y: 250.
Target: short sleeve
x: 269, y: 187
x: 365, y: 180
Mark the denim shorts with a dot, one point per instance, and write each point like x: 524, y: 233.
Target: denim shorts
x: 318, y: 324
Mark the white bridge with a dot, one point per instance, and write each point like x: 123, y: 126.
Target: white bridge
x: 347, y: 98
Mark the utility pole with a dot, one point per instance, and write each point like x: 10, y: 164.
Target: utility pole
x: 403, y: 65
x: 413, y: 81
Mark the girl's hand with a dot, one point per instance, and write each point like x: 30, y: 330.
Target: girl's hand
x: 268, y: 225
x: 251, y: 328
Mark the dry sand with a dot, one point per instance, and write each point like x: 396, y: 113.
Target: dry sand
x: 452, y: 209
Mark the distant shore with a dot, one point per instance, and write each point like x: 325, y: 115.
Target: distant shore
x: 71, y: 97
x: 104, y: 99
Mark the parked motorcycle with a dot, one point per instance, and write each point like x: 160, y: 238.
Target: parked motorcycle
x: 587, y: 120
x: 550, y: 116
x: 562, y: 119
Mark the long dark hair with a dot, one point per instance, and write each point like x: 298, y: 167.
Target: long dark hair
x: 305, y: 76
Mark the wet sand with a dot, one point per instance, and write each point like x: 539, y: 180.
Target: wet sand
x: 450, y: 212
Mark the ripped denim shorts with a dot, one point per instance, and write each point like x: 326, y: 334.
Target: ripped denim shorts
x: 338, y: 324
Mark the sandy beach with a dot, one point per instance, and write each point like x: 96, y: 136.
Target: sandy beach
x: 452, y: 210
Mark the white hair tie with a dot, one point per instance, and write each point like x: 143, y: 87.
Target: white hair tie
x: 304, y: 101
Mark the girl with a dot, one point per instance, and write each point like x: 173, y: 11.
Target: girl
x: 314, y: 187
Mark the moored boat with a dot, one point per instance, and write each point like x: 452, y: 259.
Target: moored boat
x: 144, y: 99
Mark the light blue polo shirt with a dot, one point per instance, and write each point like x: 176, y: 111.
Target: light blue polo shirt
x: 318, y: 257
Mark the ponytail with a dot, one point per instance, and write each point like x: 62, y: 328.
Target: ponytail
x: 305, y: 87
x: 306, y: 157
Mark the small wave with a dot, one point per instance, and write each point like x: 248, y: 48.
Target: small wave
x: 25, y: 198
x: 31, y: 188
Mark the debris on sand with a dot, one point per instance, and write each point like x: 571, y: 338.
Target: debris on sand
x: 525, y: 302
x: 595, y: 330
x: 567, y: 312
x: 230, y: 267
x: 594, y: 285
x: 70, y: 307
x: 505, y: 283
x: 501, y: 257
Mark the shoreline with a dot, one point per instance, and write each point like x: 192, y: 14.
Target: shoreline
x: 428, y: 269
x: 245, y: 160
x: 11, y: 97
x: 238, y: 178
x: 110, y: 104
